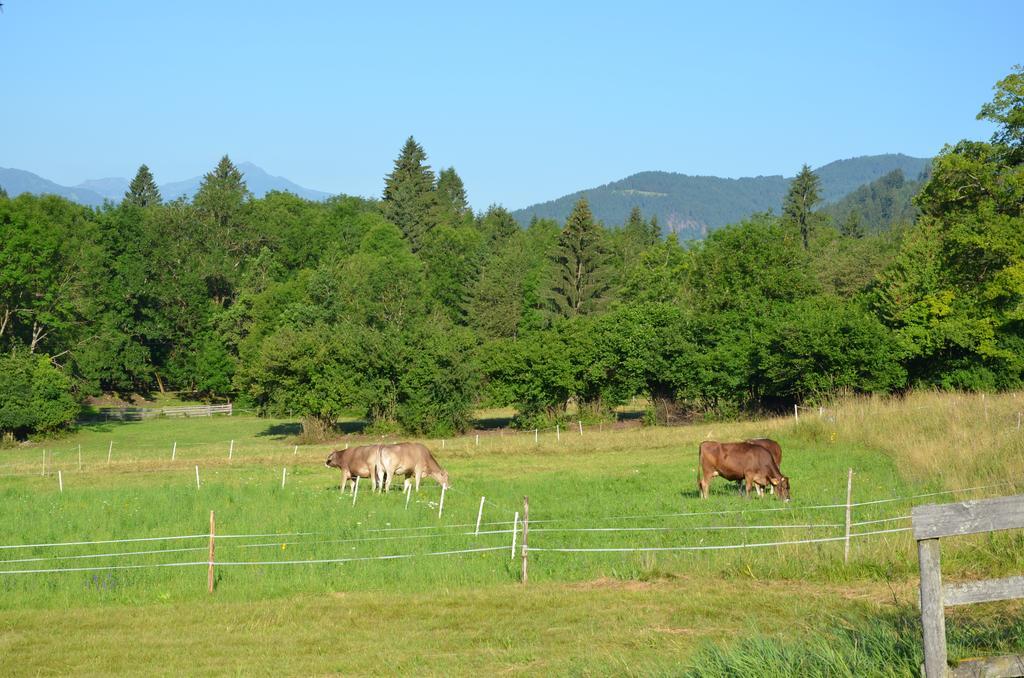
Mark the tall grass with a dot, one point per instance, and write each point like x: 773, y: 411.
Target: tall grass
x: 880, y: 643
x: 958, y: 439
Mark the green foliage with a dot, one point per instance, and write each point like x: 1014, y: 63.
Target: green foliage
x: 534, y: 374
x: 955, y: 294
x: 143, y: 192
x: 222, y: 193
x: 820, y: 346
x: 410, y: 199
x: 436, y: 388
x: 875, y: 207
x: 580, y: 277
x: 804, y: 193
x: 35, y: 396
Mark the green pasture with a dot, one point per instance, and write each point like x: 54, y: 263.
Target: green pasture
x: 579, y: 486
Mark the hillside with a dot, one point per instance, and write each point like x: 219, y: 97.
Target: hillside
x: 693, y: 205
x: 878, y: 206
x: 16, y: 182
x: 93, y: 192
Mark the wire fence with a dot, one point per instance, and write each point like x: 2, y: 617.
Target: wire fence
x: 549, y: 533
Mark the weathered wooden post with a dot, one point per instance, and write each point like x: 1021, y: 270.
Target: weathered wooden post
x: 933, y: 617
x: 934, y: 522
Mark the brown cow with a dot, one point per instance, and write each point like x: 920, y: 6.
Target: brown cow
x: 744, y: 461
x: 410, y: 460
x: 356, y: 462
x: 771, y: 446
x: 774, y: 448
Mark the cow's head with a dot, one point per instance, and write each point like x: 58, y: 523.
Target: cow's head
x: 334, y: 459
x: 781, y: 487
x: 442, y: 477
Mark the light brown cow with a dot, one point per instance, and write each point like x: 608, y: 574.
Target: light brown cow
x: 410, y: 460
x: 356, y: 462
x: 744, y: 461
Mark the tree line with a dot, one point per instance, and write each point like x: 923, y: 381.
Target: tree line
x: 410, y: 310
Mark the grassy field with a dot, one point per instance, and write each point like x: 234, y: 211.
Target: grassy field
x: 639, y: 612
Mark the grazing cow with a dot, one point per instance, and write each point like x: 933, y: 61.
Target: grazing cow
x: 773, y: 447
x: 356, y: 462
x: 744, y: 461
x: 410, y: 460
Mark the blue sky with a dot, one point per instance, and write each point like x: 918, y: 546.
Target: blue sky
x: 528, y: 101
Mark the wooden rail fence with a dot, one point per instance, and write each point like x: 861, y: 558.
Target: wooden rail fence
x: 140, y: 413
x: 933, y: 522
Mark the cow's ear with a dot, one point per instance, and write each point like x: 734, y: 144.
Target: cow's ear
x: 775, y: 481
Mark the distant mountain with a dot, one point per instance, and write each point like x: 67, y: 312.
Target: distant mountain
x: 694, y: 205
x: 257, y: 179
x: 16, y: 181
x: 112, y: 188
x: 94, y: 191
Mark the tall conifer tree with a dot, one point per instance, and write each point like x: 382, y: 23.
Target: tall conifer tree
x: 222, y: 192
x: 581, y: 277
x: 804, y: 194
x: 142, y: 192
x: 451, y: 192
x: 410, y: 200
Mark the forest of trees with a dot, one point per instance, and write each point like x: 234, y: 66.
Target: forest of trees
x: 411, y: 310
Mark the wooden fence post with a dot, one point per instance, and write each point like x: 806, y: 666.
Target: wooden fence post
x: 849, y: 496
x: 110, y: 451
x: 60, y: 481
x: 796, y: 413
x: 933, y: 616
x: 174, y: 450
x: 209, y: 573
x: 526, y: 530
x: 231, y: 450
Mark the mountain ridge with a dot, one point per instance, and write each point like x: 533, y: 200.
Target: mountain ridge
x: 93, y: 192
x: 693, y: 205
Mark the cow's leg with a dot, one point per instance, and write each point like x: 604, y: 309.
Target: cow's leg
x: 702, y: 485
x: 749, y: 482
x: 418, y: 477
